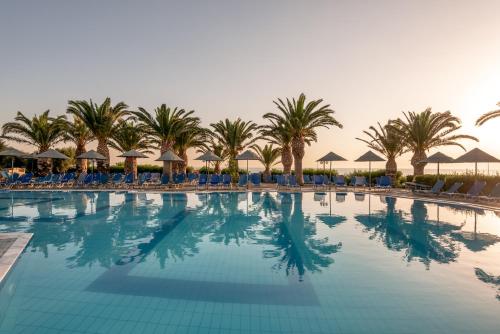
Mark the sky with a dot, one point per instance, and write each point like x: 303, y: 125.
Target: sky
x: 370, y: 60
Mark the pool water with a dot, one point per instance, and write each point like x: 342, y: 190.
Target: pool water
x: 118, y: 262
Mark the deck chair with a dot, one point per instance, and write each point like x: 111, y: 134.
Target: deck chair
x: 475, y: 190
x: 494, y: 195
x: 453, y: 190
x: 281, y: 181
x: 255, y: 179
x: 435, y: 190
x: 226, y: 180
x: 243, y: 181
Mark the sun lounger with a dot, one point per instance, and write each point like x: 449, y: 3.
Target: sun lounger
x: 255, y: 179
x: 292, y: 182
x: 243, y: 181
x: 494, y: 195
x: 226, y: 181
x: 215, y: 180
x: 435, y: 190
x: 340, y: 181
x: 453, y: 190
x: 359, y: 181
x: 475, y: 190
x: 384, y: 182
x: 202, y: 181
x: 318, y: 181
x: 281, y: 181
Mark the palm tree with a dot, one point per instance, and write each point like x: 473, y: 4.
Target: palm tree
x: 130, y: 136
x: 235, y: 136
x: 79, y: 134
x: 195, y: 138
x: 489, y: 115
x: 267, y: 156
x: 422, y: 131
x: 165, y: 126
x: 100, y: 120
x: 302, y: 120
x: 40, y: 131
x: 279, y: 135
x: 387, y: 142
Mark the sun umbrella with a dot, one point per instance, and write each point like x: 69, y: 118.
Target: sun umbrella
x: 13, y: 153
x: 51, y: 154
x: 329, y: 157
x: 475, y: 156
x: 438, y: 158
x: 134, y: 155
x: 207, y: 157
x: 369, y: 156
x: 91, y: 155
x: 171, y: 157
x: 247, y: 155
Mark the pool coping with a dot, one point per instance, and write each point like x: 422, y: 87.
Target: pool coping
x: 9, y: 258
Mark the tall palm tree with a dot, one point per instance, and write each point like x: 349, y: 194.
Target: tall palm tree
x: 489, y: 115
x: 267, y: 156
x: 195, y: 138
x: 235, y: 136
x: 40, y: 131
x: 165, y: 126
x: 130, y: 136
x: 387, y: 142
x: 79, y: 134
x: 280, y: 135
x: 425, y: 130
x: 101, y: 120
x: 302, y: 119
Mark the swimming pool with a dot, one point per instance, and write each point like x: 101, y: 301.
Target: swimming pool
x: 261, y: 262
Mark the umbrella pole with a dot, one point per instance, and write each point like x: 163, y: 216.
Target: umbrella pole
x: 208, y: 174
x: 330, y: 171
x: 248, y: 178
x: 476, y: 170
x: 12, y: 168
x: 438, y: 171
x: 370, y: 174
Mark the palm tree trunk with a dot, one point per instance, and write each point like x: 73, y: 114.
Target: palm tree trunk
x: 183, y: 164
x: 131, y: 166
x: 81, y: 164
x: 102, y: 148
x: 167, y: 165
x: 217, y: 169
x: 391, y: 169
x: 418, y: 167
x: 44, y: 166
x: 298, y: 154
x: 233, y: 167
x: 286, y: 159
x: 267, y: 173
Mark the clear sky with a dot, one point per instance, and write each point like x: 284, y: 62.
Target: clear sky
x: 369, y: 59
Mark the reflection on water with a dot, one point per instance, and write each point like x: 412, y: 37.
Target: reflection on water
x: 489, y: 279
x: 420, y: 238
x: 112, y: 228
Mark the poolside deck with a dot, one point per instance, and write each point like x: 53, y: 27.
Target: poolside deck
x: 11, y: 247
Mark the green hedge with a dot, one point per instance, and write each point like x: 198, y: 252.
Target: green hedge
x: 467, y: 179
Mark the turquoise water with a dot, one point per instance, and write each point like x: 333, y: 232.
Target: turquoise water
x: 109, y: 262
